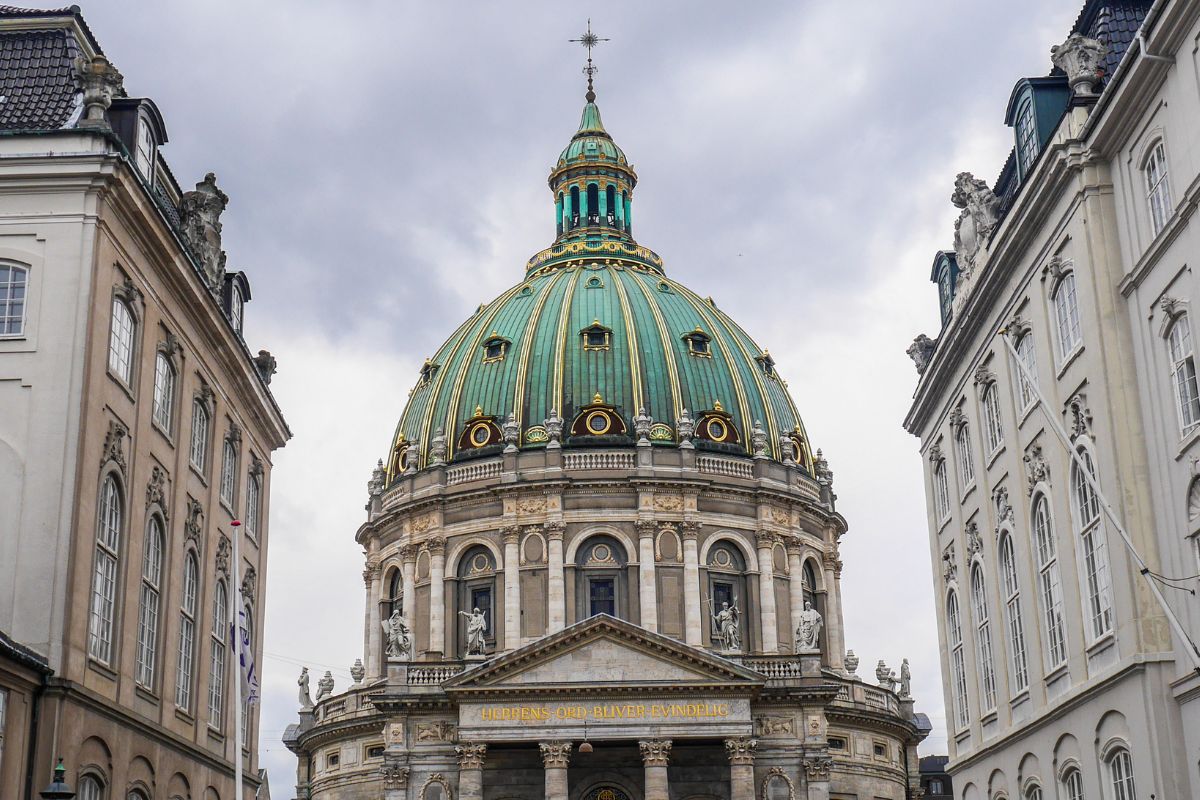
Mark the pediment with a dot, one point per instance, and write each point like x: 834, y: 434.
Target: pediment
x: 603, y: 651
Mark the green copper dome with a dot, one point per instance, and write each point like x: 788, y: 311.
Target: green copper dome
x: 597, y: 338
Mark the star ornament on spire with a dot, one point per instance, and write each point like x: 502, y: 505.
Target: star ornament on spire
x: 590, y: 40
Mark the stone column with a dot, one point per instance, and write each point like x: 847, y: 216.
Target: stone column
x: 437, y: 595
x: 470, y: 770
x: 373, y: 655
x: 555, y: 756
x: 691, y: 585
x: 512, y: 588
x: 741, y: 767
x: 817, y: 769
x: 647, y: 593
x: 766, y: 590
x: 795, y: 585
x: 655, y: 755
x: 408, y: 570
x: 555, y: 588
x: 835, y: 638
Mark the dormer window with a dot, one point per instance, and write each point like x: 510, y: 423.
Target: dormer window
x: 143, y: 155
x: 428, y: 369
x: 495, y: 347
x: 1027, y: 138
x: 767, y: 363
x: 236, y: 294
x: 596, y: 337
x: 237, y: 308
x: 699, y: 343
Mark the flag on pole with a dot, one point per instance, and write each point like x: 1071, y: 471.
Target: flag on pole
x: 247, y: 669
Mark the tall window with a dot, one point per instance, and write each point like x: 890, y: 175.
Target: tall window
x: 1120, y: 772
x: 253, y: 503
x: 120, y: 341
x: 1183, y: 372
x: 1012, y: 615
x: 147, y: 642
x: 90, y: 788
x: 1048, y: 580
x: 228, y: 473
x: 1033, y: 793
x: 993, y: 426
x: 200, y: 426
x: 1158, y: 188
x: 1027, y: 138
x: 941, y: 490
x: 1066, y: 312
x: 104, y: 580
x: 1073, y: 784
x: 957, y: 663
x: 216, y: 662
x: 14, y: 281
x: 1026, y: 385
x: 164, y: 392
x: 187, y: 633
x: 1095, y: 549
x: 983, y: 639
x: 144, y: 155
x: 237, y: 308
x: 966, y: 468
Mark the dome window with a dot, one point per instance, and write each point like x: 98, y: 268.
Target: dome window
x: 428, y: 370
x: 526, y: 291
x: 717, y: 426
x: 495, y: 348
x: 699, y: 343
x: 480, y: 431
x: 665, y: 287
x: 767, y: 363
x: 596, y: 337
x: 594, y: 283
x: 400, y: 457
x: 598, y: 419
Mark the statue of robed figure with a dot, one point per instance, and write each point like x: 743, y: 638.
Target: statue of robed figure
x: 476, y: 630
x: 728, y: 630
x: 399, y: 642
x: 809, y: 629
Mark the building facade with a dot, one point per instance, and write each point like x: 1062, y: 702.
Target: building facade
x: 602, y: 557
x: 136, y: 426
x: 1064, y: 673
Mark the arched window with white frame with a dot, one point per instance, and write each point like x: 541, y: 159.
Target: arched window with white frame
x: 164, y: 392
x: 104, y: 579
x: 983, y: 639
x: 1120, y: 774
x: 1094, y: 548
x: 1073, y: 784
x: 1183, y: 372
x: 253, y: 503
x: 14, y: 285
x: 1012, y: 615
x: 148, y: 602
x: 1158, y: 188
x: 966, y: 467
x: 941, y: 490
x: 1026, y: 386
x: 958, y: 665
x: 90, y: 788
x: 201, y: 425
x: 229, y: 460
x: 121, y: 338
x: 993, y: 424
x: 1066, y: 314
x: 1049, y: 583
x: 1033, y: 792
x: 187, y: 632
x: 217, y: 665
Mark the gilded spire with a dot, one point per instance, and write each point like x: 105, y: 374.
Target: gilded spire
x: 589, y: 40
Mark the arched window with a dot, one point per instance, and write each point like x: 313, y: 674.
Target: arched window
x: 727, y: 584
x: 1034, y: 792
x: 1092, y: 536
x: 1027, y: 136
x: 237, y: 308
x: 958, y: 666
x: 1158, y: 188
x: 941, y: 490
x: 1026, y: 387
x: 187, y: 632
x: 253, y: 503
x: 228, y: 473
x: 983, y: 639
x: 147, y: 641
x: 601, y: 586
x: 90, y: 788
x: 1183, y: 372
x: 201, y: 422
x: 1120, y: 773
x: 966, y: 468
x: 1012, y: 615
x: 574, y: 206
x: 1066, y: 312
x: 1073, y: 784
x: 164, y: 392
x: 216, y: 662
x: 1048, y: 581
x: 992, y: 422
x: 14, y: 282
x: 477, y: 589
x: 120, y: 341
x: 625, y: 205
x: 809, y: 584
x: 593, y: 204
x: 104, y: 579
x: 143, y: 155
x: 610, y: 197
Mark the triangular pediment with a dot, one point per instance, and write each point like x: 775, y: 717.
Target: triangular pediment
x: 603, y: 651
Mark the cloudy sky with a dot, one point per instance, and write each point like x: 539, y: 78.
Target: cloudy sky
x: 386, y: 164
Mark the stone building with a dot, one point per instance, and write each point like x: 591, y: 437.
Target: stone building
x: 135, y: 426
x: 1066, y: 674
x: 602, y: 556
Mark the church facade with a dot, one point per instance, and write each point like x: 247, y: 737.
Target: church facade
x: 602, y: 557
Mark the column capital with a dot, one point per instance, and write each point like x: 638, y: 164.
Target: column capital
x: 655, y: 752
x: 555, y: 529
x: 793, y: 545
x: 690, y: 530
x: 408, y: 553
x: 817, y: 768
x: 436, y: 545
x: 555, y: 754
x: 370, y: 573
x: 646, y: 528
x: 741, y: 750
x: 470, y: 756
x: 394, y: 773
x: 511, y: 534
x: 765, y: 539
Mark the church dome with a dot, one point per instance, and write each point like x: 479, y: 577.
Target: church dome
x: 597, y: 347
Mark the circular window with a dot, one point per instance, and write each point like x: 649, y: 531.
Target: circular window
x: 480, y: 435
x: 598, y: 423
x: 601, y: 552
x: 797, y: 453
x: 717, y: 430
x: 479, y: 563
x: 722, y: 559
x: 402, y: 460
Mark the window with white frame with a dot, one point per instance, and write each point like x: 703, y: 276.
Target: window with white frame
x: 958, y: 666
x: 1012, y: 615
x: 1049, y: 582
x: 1183, y: 372
x: 1066, y: 313
x: 237, y: 308
x: 1158, y: 188
x: 1026, y: 390
x: 1027, y: 137
x: 144, y: 155
x: 164, y: 392
x: 14, y: 283
x: 148, y: 599
x: 1034, y: 792
x: 1097, y: 585
x: 120, y: 341
x: 1073, y: 784
x: 1120, y: 774
x: 228, y: 473
x: 992, y: 422
x: 104, y: 578
x: 201, y: 422
x: 253, y: 503
x: 983, y: 639
x: 941, y: 490
x: 187, y: 633
x: 90, y: 788
x: 966, y: 467
x: 217, y: 654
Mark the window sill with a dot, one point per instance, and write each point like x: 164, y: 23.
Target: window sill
x: 995, y: 454
x: 943, y: 522
x: 199, y: 473
x: 967, y: 492
x: 1068, y: 360
x: 1023, y: 414
x: 1187, y: 441
x: 146, y: 694
x: 1055, y: 673
x: 1102, y: 643
x: 13, y: 337
x: 163, y: 432
x: 989, y: 717
x: 102, y: 668
x: 228, y: 507
x: 1019, y: 698
x: 182, y: 714
x: 125, y: 387
x: 215, y: 734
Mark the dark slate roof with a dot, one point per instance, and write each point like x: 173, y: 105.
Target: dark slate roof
x: 1113, y: 23
x: 37, y: 79
x: 934, y: 763
x: 23, y: 655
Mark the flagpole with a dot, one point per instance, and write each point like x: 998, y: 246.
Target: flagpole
x: 235, y: 652
x: 1031, y: 382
